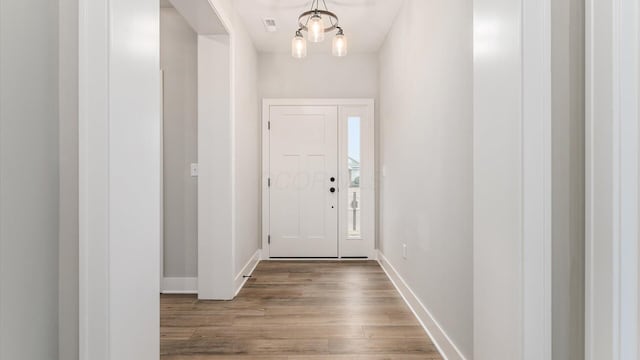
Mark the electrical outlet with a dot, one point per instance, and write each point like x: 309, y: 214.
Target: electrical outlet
x: 404, y: 251
x: 194, y: 170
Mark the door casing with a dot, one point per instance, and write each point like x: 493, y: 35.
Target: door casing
x: 347, y: 248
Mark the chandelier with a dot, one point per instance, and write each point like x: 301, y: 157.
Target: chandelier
x: 316, y: 22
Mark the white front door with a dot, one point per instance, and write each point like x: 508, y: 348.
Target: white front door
x: 303, y: 171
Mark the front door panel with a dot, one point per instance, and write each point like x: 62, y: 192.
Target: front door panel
x: 303, y: 160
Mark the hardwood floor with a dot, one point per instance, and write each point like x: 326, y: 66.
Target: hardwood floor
x: 297, y: 310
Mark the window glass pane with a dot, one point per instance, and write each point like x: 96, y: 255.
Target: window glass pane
x: 354, y: 176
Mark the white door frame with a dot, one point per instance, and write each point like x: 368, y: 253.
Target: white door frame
x: 368, y: 176
x: 512, y: 179
x: 161, y: 194
x: 612, y: 185
x: 216, y: 148
x: 119, y: 168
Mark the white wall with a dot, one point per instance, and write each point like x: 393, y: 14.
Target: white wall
x: 28, y: 179
x: 568, y: 178
x: 318, y: 76
x: 244, y: 143
x: 497, y: 181
x: 179, y: 62
x: 244, y: 152
x: 68, y: 213
x: 215, y: 186
x: 426, y: 159
x: 248, y: 177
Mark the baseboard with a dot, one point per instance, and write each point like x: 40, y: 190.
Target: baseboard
x: 444, y: 344
x: 246, y: 270
x: 180, y: 285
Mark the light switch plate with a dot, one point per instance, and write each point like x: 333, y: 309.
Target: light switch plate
x: 404, y: 251
x: 194, y: 170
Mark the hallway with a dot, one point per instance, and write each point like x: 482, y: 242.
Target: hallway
x: 298, y: 310
x: 452, y: 179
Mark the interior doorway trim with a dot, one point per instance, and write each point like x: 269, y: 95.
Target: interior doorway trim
x: 368, y: 193
x: 612, y: 274
x: 216, y: 53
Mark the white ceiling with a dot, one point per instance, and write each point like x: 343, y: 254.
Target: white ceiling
x: 365, y: 22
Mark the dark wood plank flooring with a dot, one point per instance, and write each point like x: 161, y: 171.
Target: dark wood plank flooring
x: 298, y: 310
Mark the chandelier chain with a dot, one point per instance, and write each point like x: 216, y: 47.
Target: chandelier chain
x: 326, y: 8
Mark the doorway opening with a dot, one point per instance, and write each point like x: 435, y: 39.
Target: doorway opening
x: 197, y: 150
x: 179, y: 165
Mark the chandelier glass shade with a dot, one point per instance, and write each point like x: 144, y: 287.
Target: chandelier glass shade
x: 316, y: 29
x: 298, y: 46
x: 316, y: 22
x: 339, y: 47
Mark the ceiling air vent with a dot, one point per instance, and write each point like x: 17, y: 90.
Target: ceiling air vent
x: 269, y: 24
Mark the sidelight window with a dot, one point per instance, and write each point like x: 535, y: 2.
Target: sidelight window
x: 354, y: 161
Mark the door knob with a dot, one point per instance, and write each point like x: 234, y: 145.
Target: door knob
x: 332, y: 189
x: 332, y: 179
